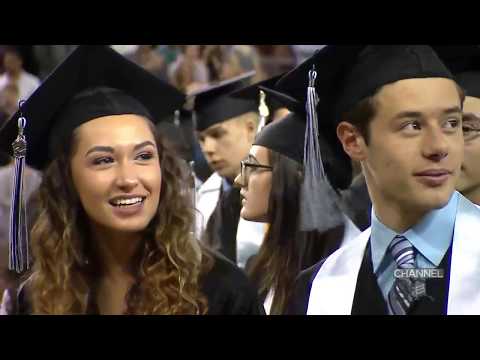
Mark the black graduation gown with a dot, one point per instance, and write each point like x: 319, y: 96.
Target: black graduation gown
x: 368, y: 298
x: 228, y: 290
x: 221, y: 231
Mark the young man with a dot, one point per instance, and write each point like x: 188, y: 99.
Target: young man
x: 397, y: 111
x: 226, y: 127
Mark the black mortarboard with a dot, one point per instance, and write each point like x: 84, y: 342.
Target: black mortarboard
x: 214, y: 104
x: 93, y: 81
x: 287, y: 137
x: 284, y: 136
x: 55, y: 109
x: 347, y: 74
x: 464, y: 62
x: 331, y: 83
x: 251, y: 92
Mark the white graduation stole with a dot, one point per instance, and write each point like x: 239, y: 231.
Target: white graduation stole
x: 333, y: 288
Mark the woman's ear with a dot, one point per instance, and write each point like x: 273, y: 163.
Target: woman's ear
x: 352, y: 141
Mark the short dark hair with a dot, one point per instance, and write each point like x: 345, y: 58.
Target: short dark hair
x: 361, y: 116
x: 365, y: 110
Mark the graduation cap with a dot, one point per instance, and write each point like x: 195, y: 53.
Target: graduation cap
x: 464, y: 62
x: 284, y: 136
x: 93, y: 81
x: 331, y: 83
x: 214, y: 104
x: 265, y: 104
x: 287, y: 136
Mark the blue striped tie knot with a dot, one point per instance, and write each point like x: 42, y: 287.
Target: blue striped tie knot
x: 403, y: 252
x: 405, y: 291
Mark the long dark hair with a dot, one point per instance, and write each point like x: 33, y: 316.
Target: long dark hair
x: 285, y: 250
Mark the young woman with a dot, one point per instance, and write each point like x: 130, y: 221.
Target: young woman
x: 271, y: 178
x: 114, y: 234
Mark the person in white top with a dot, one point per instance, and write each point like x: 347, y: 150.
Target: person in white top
x: 15, y: 74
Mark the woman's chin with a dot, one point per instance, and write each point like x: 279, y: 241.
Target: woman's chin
x: 249, y: 216
x: 126, y: 226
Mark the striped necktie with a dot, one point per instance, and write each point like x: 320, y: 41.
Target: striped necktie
x: 405, y: 291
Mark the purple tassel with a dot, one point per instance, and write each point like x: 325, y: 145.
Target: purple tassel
x: 18, y: 254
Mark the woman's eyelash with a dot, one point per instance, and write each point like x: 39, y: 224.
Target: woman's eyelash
x: 145, y: 156
x: 102, y: 160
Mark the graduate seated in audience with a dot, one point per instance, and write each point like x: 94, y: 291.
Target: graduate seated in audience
x: 398, y: 111
x: 270, y: 182
x: 225, y: 127
x: 114, y: 233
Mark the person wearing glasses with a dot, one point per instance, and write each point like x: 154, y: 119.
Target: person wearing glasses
x: 270, y: 181
x: 226, y: 126
x: 466, y: 67
x: 469, y: 181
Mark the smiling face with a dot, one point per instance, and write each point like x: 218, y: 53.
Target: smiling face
x: 415, y: 149
x: 116, y: 172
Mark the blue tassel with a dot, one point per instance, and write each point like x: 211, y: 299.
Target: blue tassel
x: 18, y: 242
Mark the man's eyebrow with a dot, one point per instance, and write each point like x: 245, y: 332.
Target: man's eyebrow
x: 452, y: 110
x: 417, y: 114
x: 408, y: 114
x: 471, y: 115
x: 212, y: 130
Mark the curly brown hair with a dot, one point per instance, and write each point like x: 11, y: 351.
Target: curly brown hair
x: 169, y: 262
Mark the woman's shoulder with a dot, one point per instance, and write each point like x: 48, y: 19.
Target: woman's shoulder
x: 228, y: 289
x: 15, y: 300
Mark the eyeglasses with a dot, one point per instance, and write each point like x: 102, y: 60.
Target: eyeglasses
x: 471, y: 126
x: 247, y: 168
